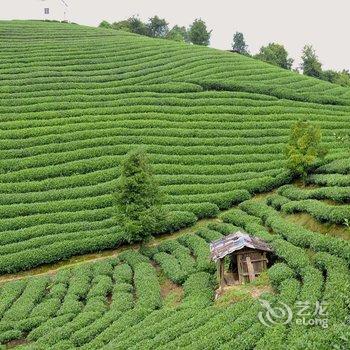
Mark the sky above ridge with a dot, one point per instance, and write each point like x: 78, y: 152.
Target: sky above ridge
x: 322, y: 23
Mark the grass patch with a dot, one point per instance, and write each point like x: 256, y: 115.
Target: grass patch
x: 238, y: 293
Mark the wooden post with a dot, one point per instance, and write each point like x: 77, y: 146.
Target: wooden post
x: 250, y: 268
x: 222, y: 281
x: 218, y: 272
x: 240, y: 268
x: 265, y: 261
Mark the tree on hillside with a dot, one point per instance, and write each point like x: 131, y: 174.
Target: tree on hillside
x: 122, y: 25
x: 275, y: 54
x: 341, y: 78
x: 329, y: 75
x: 104, y: 24
x: 310, y: 65
x: 138, y: 211
x: 178, y: 34
x: 304, y: 148
x: 239, y: 45
x: 157, y: 27
x: 137, y: 26
x: 198, y: 33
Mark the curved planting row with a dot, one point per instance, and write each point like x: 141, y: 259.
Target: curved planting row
x: 326, y: 201
x: 91, y: 304
x: 75, y: 100
x: 304, y: 279
x: 120, y: 302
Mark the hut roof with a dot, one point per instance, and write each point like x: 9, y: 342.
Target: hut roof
x: 234, y: 242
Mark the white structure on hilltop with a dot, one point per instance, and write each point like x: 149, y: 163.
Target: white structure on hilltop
x: 53, y: 10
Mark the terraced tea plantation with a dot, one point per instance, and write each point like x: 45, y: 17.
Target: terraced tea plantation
x: 74, y: 101
x: 163, y: 296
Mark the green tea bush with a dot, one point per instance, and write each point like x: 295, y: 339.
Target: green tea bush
x: 181, y: 253
x: 337, y: 285
x: 223, y: 228
x: 209, y: 235
x: 320, y: 211
x: 335, y: 193
x: 171, y: 267
x: 200, y: 248
x: 340, y: 166
x: 329, y: 179
x: 276, y: 201
x: 149, y: 326
x: 176, y: 220
x: 122, y: 274
x: 198, y: 290
x: 273, y: 338
x: 278, y: 273
x: 32, y: 295
x: 10, y: 293
x: 201, y: 210
x: 147, y: 287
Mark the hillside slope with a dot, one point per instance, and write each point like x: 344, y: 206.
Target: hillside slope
x: 75, y: 99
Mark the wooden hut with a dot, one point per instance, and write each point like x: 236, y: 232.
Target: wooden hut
x: 247, y: 257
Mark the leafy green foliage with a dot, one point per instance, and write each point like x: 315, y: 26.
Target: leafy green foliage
x: 147, y: 287
x: 198, y: 33
x: 335, y: 193
x: 104, y: 24
x: 304, y: 147
x: 137, y: 26
x: 280, y: 272
x: 178, y: 33
x: 275, y: 54
x: 132, y: 24
x: 198, y: 290
x: 342, y: 77
x: 157, y: 27
x: 137, y: 198
x: 310, y: 65
x: 239, y: 45
x: 171, y: 267
x: 320, y: 211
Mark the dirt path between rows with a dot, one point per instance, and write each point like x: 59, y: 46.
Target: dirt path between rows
x: 51, y: 269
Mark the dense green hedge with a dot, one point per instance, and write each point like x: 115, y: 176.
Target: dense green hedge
x: 278, y: 273
x: 171, y: 267
x: 147, y: 287
x: 276, y: 201
x: 335, y: 193
x: 198, y: 290
x: 329, y: 179
x: 276, y: 92
x: 320, y: 211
